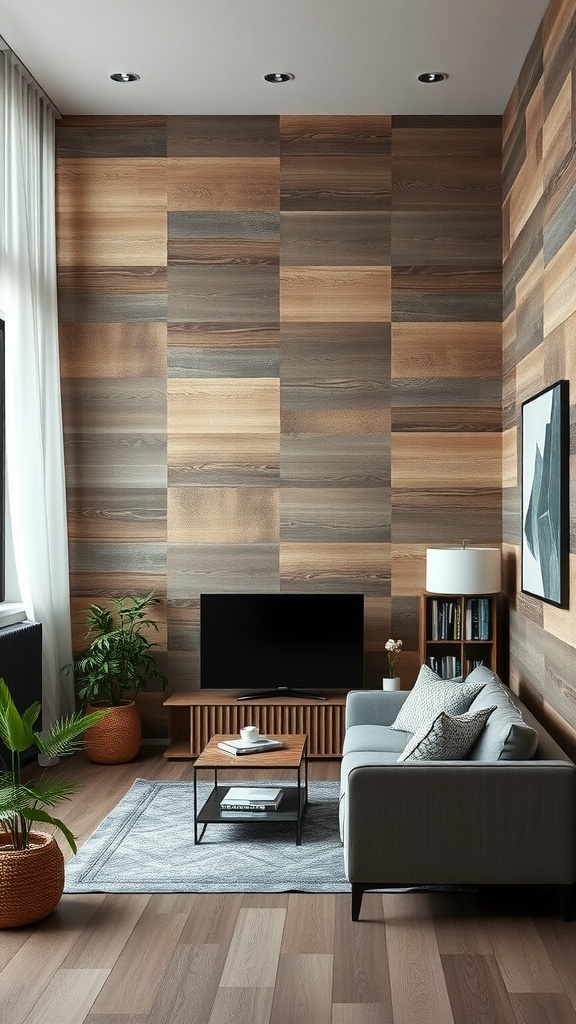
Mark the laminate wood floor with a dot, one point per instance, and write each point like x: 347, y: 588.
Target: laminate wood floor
x: 506, y: 958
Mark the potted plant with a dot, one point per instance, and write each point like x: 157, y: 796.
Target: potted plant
x: 31, y: 862
x: 117, y: 663
x: 393, y: 649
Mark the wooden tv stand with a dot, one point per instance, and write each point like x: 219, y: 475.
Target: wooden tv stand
x: 195, y: 716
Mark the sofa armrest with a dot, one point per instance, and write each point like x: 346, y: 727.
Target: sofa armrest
x: 461, y: 822
x: 373, y: 707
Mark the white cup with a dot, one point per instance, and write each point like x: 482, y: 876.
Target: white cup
x: 249, y: 733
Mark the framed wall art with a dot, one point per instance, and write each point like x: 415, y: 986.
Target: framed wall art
x: 545, y: 495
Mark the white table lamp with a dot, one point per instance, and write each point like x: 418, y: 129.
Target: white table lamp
x: 463, y: 570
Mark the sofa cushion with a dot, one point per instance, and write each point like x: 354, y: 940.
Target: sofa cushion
x: 431, y: 694
x: 446, y: 737
x: 506, y: 737
x: 374, y: 738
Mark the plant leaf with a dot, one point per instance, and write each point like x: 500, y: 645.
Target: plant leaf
x: 15, y: 731
x: 64, y: 736
x: 35, y: 814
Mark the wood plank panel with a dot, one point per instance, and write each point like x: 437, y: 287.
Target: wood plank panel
x: 448, y: 350
x: 303, y: 989
x: 331, y: 459
x: 341, y: 135
x: 343, y: 514
x: 447, y: 460
x: 113, y: 350
x: 128, y: 988
x: 329, y: 568
x: 418, y: 984
x: 335, y: 183
x: 476, y: 989
x: 223, y: 459
x: 222, y: 135
x: 223, y: 406
x: 237, y: 293
x: 252, y: 959
x: 335, y: 294
x: 223, y: 515
x: 223, y: 183
x: 334, y: 238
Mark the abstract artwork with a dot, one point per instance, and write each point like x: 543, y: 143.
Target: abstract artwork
x: 545, y: 495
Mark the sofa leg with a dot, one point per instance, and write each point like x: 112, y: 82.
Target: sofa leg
x: 568, y: 898
x: 357, y: 894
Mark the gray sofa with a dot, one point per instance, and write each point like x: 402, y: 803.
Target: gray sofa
x: 505, y: 814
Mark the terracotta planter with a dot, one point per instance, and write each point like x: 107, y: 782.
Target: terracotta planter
x: 116, y: 738
x: 31, y: 881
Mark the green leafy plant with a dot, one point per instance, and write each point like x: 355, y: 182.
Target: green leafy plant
x: 22, y: 802
x: 118, y: 661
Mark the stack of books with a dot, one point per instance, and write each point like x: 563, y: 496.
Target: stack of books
x: 256, y: 747
x: 243, y: 798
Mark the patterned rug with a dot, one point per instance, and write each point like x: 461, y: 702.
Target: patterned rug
x: 146, y: 844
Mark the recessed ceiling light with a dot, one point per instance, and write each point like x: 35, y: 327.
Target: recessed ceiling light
x: 125, y: 76
x: 432, y: 76
x: 279, y: 76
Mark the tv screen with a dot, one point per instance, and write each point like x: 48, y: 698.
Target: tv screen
x: 282, y: 642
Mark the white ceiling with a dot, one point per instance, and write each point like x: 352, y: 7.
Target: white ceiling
x: 210, y: 56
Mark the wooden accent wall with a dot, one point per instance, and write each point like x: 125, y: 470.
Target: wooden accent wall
x: 281, y: 360
x: 539, y: 342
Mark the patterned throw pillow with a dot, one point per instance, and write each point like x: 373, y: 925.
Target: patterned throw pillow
x: 431, y: 694
x: 446, y: 737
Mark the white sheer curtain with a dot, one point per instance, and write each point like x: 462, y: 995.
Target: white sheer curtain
x: 34, y: 444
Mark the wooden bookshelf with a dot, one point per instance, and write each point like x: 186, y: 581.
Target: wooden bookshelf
x: 195, y: 716
x: 458, y: 632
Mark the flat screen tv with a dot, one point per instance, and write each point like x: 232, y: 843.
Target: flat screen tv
x: 282, y: 644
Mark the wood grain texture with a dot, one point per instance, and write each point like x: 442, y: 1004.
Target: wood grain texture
x: 335, y: 294
x: 112, y: 350
x: 334, y: 514
x: 218, y: 183
x: 331, y: 459
x: 335, y: 183
x: 226, y: 515
x: 222, y: 136
x: 341, y: 135
x: 447, y: 460
x: 223, y: 459
x: 332, y: 238
x: 223, y: 406
x: 330, y: 567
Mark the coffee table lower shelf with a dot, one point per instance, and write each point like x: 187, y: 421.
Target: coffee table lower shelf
x: 292, y: 808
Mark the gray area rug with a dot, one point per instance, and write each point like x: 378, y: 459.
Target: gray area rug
x: 146, y: 844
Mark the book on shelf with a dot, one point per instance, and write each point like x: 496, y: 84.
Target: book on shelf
x: 478, y: 618
x: 445, y: 619
x: 257, y: 747
x: 243, y: 798
x: 447, y: 666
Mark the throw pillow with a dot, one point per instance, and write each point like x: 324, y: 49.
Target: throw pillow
x: 446, y: 737
x: 431, y: 694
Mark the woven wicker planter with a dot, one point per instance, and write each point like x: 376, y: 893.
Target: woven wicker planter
x: 116, y: 738
x: 31, y: 881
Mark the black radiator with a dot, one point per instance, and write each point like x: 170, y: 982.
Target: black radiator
x: 21, y: 669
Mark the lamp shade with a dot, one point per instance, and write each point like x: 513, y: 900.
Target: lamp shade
x: 463, y: 570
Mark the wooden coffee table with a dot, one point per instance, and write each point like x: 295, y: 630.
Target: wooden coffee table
x: 292, y: 755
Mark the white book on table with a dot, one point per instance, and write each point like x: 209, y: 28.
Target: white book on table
x: 257, y: 747
x: 251, y: 795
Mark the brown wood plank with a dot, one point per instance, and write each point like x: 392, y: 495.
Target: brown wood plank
x: 476, y: 989
x: 222, y: 183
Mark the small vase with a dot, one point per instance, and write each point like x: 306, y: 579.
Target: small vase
x: 391, y: 684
